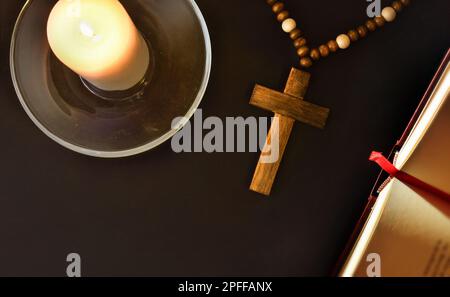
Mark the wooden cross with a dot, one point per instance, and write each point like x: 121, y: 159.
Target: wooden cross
x: 288, y: 107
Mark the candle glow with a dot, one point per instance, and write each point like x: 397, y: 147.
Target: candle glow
x: 98, y: 40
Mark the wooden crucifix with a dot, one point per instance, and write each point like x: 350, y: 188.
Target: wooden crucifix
x: 288, y: 108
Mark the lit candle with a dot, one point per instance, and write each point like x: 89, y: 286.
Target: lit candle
x: 98, y: 40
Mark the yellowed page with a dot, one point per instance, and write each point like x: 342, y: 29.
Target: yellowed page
x: 408, y: 230
x: 412, y: 237
x: 430, y: 161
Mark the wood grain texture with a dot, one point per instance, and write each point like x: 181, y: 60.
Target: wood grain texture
x: 290, y: 106
x: 265, y: 173
x: 297, y: 84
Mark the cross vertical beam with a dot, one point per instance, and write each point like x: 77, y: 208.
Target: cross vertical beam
x: 288, y: 107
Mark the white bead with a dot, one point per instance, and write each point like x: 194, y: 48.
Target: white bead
x: 343, y: 41
x: 389, y: 14
x: 288, y: 25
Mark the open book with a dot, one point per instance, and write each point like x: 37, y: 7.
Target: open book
x: 408, y: 231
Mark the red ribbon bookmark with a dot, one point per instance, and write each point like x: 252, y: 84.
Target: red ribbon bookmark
x: 405, y: 177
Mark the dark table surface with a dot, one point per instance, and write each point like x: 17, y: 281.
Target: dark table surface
x: 167, y: 214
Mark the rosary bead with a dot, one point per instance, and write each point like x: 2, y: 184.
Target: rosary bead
x: 389, y: 14
x: 315, y: 54
x: 362, y: 31
x: 289, y: 25
x: 371, y: 25
x: 379, y: 20
x: 353, y: 35
x: 282, y: 16
x: 303, y: 51
x: 324, y: 51
x: 405, y: 2
x: 305, y: 62
x: 332, y: 45
x: 296, y: 33
x: 343, y: 41
x: 278, y: 7
x: 299, y: 42
x: 397, y: 5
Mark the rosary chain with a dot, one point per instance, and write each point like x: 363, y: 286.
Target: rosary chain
x: 343, y: 41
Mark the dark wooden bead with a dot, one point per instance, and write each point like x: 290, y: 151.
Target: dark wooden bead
x: 362, y: 31
x: 299, y: 42
x: 405, y: 2
x: 278, y: 7
x: 308, y: 55
x: 353, y: 35
x: 397, y: 5
x: 380, y: 21
x: 315, y: 54
x: 303, y: 51
x: 324, y: 51
x: 371, y: 25
x: 296, y: 33
x: 333, y: 46
x: 282, y: 16
x: 306, y: 62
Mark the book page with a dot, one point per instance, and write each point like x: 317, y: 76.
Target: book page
x: 430, y: 161
x: 408, y: 230
x: 426, y: 153
x: 412, y: 237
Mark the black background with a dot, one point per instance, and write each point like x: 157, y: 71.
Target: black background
x: 167, y: 214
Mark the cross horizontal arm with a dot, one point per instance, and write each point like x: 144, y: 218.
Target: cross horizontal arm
x: 290, y: 106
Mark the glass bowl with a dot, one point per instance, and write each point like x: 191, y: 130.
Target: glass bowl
x: 59, y: 103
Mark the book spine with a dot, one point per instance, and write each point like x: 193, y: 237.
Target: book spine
x: 354, y: 237
x: 424, y: 100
